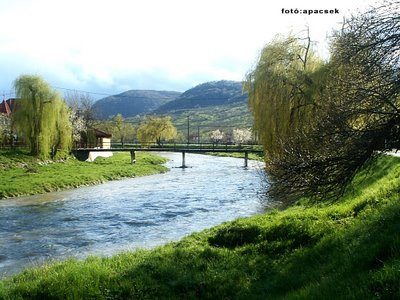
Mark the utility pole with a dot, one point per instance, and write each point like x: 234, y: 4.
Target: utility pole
x: 188, y: 130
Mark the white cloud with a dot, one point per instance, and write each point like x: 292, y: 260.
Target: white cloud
x: 95, y: 43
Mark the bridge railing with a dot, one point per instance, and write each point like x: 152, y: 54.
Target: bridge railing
x: 179, y: 146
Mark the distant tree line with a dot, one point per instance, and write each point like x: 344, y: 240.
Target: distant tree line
x: 51, y: 125
x: 320, y: 121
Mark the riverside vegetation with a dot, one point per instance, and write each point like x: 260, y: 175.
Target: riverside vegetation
x: 346, y: 249
x: 47, y: 176
x: 322, y: 124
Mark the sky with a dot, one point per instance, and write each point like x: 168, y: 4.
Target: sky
x: 111, y: 46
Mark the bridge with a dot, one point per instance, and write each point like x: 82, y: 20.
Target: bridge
x: 83, y: 153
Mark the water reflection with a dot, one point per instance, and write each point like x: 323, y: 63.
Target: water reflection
x: 131, y: 213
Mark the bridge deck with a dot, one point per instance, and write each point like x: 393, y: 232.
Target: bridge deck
x: 83, y: 153
x: 189, y: 150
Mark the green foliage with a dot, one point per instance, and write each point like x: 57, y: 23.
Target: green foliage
x: 156, y: 129
x: 211, y: 105
x: 348, y: 249
x: 22, y: 174
x: 203, y: 120
x: 122, y: 130
x: 283, y: 95
x: 320, y: 122
x: 42, y: 117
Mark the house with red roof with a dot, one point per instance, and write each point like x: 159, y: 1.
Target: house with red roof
x: 7, y: 107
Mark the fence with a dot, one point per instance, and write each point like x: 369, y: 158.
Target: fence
x: 201, y: 146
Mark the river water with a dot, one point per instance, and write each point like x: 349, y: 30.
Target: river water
x: 127, y: 214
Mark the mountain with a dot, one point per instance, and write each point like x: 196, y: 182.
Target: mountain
x: 203, y: 108
x: 133, y: 102
x: 214, y: 93
x: 206, y: 107
x: 209, y: 106
x: 205, y: 119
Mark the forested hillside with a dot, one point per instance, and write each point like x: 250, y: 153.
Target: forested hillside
x: 212, y: 93
x: 132, y: 103
x: 209, y: 106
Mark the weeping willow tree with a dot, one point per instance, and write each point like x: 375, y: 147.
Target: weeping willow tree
x: 285, y: 96
x: 42, y: 117
x: 282, y: 92
x: 320, y: 123
x: 156, y: 129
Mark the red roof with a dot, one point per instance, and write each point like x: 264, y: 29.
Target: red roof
x: 8, y: 106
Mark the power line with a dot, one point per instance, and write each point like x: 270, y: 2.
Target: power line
x: 89, y: 92
x: 81, y: 91
x: 67, y: 89
x: 119, y: 94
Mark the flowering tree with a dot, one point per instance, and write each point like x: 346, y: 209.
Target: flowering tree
x: 3, y: 129
x: 216, y: 136
x: 241, y: 136
x: 84, y: 115
x: 78, y: 125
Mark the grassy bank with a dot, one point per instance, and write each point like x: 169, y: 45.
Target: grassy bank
x: 252, y: 156
x: 22, y: 174
x: 348, y: 249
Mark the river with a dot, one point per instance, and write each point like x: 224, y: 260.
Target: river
x: 131, y: 213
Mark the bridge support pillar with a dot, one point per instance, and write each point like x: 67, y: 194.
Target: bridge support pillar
x: 246, y: 158
x: 183, y: 159
x: 81, y: 155
x: 133, y: 156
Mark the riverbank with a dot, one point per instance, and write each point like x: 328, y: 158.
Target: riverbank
x: 347, y: 249
x: 22, y: 174
x: 252, y: 156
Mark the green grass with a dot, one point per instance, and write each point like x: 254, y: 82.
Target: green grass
x: 22, y: 174
x: 347, y: 249
x: 252, y: 156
